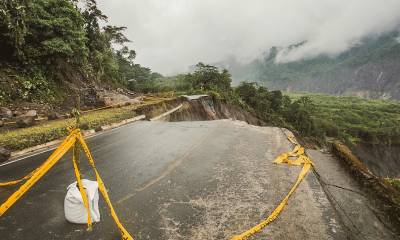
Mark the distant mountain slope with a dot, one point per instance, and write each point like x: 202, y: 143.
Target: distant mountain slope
x: 371, y: 69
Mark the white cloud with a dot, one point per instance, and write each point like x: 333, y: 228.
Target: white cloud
x: 171, y: 35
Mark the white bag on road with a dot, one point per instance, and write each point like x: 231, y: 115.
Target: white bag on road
x: 74, y: 208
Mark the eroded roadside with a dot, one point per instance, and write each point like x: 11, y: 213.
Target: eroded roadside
x: 359, y: 213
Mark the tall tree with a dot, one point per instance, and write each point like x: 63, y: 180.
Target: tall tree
x: 13, y: 17
x: 208, y: 77
x: 56, y: 34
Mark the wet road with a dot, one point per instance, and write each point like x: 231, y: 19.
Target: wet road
x: 184, y: 180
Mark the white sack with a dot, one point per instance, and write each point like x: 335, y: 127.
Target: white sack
x: 74, y: 208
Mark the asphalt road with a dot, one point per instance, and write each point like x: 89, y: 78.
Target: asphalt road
x: 184, y: 180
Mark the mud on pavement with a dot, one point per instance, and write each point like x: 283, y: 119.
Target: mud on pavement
x: 227, y: 184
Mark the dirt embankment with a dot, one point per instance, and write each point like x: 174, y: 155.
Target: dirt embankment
x: 200, y: 109
x: 386, y: 197
x: 382, y: 159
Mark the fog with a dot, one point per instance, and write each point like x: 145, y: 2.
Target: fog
x: 171, y: 35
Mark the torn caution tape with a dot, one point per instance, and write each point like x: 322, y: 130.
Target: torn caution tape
x: 300, y: 159
x: 74, y: 139
x: 14, y: 182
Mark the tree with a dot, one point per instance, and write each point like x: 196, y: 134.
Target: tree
x: 277, y: 100
x: 247, y: 92
x: 93, y: 16
x: 273, y: 107
x: 299, y: 115
x: 114, y: 34
x: 207, y: 77
x: 225, y: 80
x: 107, y: 63
x: 46, y: 40
x: 56, y: 34
x: 126, y: 54
x: 13, y: 17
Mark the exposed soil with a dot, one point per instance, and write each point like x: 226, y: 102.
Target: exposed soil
x: 382, y: 159
x: 201, y: 109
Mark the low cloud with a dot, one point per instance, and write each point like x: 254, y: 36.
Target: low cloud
x: 171, y: 35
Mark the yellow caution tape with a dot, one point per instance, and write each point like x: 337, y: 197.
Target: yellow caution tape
x: 80, y: 186
x: 302, y: 159
x: 125, y: 234
x: 72, y: 139
x: 14, y: 182
x: 54, y: 157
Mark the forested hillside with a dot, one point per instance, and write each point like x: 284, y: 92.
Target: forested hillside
x: 51, y: 48
x: 370, y: 69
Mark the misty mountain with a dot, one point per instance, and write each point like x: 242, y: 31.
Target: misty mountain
x: 371, y: 69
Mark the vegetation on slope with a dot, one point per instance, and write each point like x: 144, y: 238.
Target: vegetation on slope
x: 355, y: 119
x: 271, y: 106
x: 369, y: 69
x: 48, y: 45
x: 315, y: 116
x: 205, y: 77
x: 394, y: 182
x: 370, y: 49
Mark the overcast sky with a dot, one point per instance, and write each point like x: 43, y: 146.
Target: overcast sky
x: 170, y: 35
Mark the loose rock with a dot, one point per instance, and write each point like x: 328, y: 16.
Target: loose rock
x: 111, y: 99
x: 4, y: 154
x: 84, y: 126
x: 53, y: 116
x: 5, y: 112
x: 30, y: 113
x: 25, y: 121
x: 17, y: 113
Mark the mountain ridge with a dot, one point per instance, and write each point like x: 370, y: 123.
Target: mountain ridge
x: 371, y: 69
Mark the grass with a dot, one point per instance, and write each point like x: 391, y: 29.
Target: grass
x: 27, y: 137
x: 395, y: 182
x: 21, y: 138
x: 355, y: 118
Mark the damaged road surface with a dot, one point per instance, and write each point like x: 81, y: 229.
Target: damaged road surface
x: 182, y: 180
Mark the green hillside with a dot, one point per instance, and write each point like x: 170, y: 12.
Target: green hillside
x: 355, y: 119
x: 370, y: 69
x: 51, y: 47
